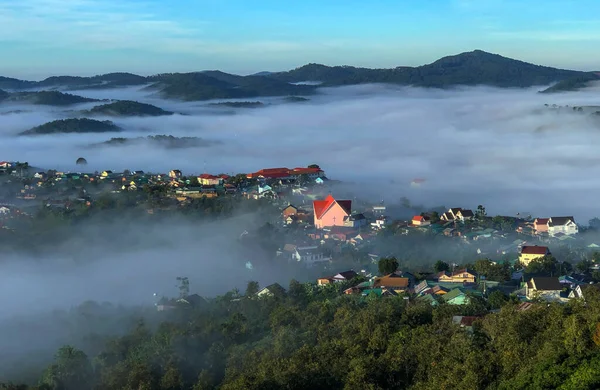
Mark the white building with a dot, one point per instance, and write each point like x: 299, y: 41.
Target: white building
x: 564, y: 225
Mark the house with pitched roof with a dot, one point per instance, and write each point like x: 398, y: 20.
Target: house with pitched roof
x: 393, y: 280
x: 562, y: 225
x: 546, y: 288
x: 456, y: 297
x: 532, y: 252
x: 345, y: 276
x: 419, y: 220
x: 273, y: 290
x: 210, y: 180
x: 331, y: 212
x: 540, y: 225
x: 464, y: 215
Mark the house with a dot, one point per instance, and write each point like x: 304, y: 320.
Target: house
x: 456, y: 297
x: 330, y: 212
x: 270, y: 173
x: 289, y: 210
x: 194, y: 300
x: 464, y: 215
x: 104, y: 174
x: 175, y: 174
x: 419, y: 220
x: 380, y: 222
x: 540, y: 225
x: 392, y: 281
x: 461, y: 276
x: 345, y: 276
x: 273, y: 290
x: 546, y: 288
x: 4, y: 210
x: 355, y: 220
x: 451, y: 214
x: 530, y: 253
x: 564, y: 225
x: 210, y: 180
x: 581, y: 290
x: 309, y: 255
x: 464, y: 275
x: 312, y: 172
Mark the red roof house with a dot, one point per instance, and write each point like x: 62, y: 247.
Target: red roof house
x: 331, y: 212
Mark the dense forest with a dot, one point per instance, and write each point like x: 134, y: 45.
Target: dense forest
x: 73, y: 125
x: 572, y: 83
x: 48, y: 98
x: 311, y: 337
x: 128, y: 108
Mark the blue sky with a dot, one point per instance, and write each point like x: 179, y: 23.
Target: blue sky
x: 49, y: 37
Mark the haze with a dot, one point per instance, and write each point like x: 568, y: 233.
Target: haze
x: 472, y: 145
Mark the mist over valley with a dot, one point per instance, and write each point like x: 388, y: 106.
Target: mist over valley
x: 187, y: 212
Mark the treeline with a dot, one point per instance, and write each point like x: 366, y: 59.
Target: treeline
x: 316, y: 338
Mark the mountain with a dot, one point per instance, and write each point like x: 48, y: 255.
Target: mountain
x: 75, y: 125
x: 573, y: 83
x: 166, y: 141
x: 10, y: 83
x: 110, y: 80
x: 470, y: 68
x: 219, y: 85
x: 48, y: 98
x: 128, y: 108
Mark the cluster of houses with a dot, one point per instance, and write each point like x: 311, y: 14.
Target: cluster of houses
x: 458, y: 287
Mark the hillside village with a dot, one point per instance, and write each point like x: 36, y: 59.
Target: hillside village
x: 548, y: 257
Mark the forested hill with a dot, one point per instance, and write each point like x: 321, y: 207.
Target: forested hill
x: 573, y: 83
x: 311, y: 337
x: 469, y: 68
x: 73, y: 125
x: 128, y: 108
x: 48, y: 98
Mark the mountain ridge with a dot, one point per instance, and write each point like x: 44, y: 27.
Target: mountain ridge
x: 476, y: 67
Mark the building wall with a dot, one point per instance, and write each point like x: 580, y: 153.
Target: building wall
x: 566, y: 229
x: 211, y: 182
x: 525, y: 258
x: 332, y: 217
x: 540, y: 228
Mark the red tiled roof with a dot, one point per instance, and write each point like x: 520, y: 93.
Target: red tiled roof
x: 534, y: 250
x: 418, y: 218
x: 542, y: 221
x: 208, y: 176
x: 321, y: 206
x: 300, y: 171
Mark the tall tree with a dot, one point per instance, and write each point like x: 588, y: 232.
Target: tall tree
x: 387, y: 265
x: 252, y: 288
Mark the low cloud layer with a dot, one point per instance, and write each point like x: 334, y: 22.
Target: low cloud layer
x: 472, y: 145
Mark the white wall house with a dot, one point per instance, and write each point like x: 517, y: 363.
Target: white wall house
x: 564, y: 225
x: 309, y: 255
